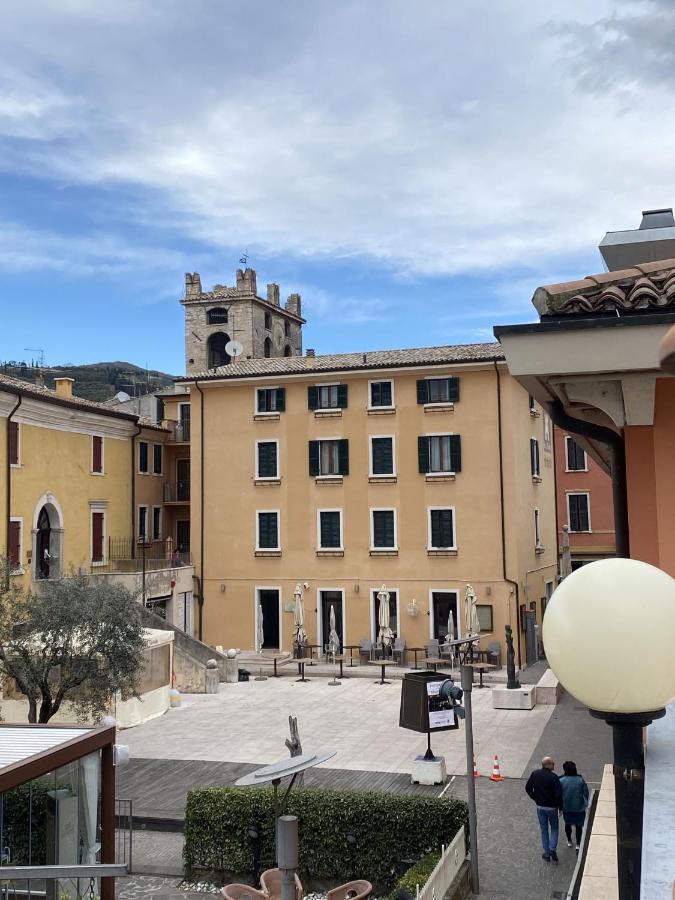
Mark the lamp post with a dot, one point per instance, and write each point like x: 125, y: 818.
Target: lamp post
x: 603, y: 617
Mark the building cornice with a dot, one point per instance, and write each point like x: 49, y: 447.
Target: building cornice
x: 46, y: 414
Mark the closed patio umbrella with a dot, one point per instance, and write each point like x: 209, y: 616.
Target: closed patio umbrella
x: 470, y: 599
x: 333, y: 638
x: 259, y: 633
x: 300, y: 635
x: 385, y: 635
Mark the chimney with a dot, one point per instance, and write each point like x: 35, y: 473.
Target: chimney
x: 273, y: 294
x: 40, y: 378
x: 246, y: 281
x: 654, y: 240
x: 311, y: 351
x: 64, y: 387
x: 293, y: 304
x: 193, y: 285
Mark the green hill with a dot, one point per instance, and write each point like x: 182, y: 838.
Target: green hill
x: 96, y: 381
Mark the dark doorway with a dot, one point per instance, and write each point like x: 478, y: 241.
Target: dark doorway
x: 393, y: 618
x: 443, y: 603
x: 531, y: 653
x: 43, y: 544
x: 183, y: 535
x: 269, y: 603
x: 184, y: 416
x: 182, y: 479
x: 267, y: 348
x: 218, y: 356
x: 328, y: 599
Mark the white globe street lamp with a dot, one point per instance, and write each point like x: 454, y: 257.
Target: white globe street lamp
x: 608, y: 633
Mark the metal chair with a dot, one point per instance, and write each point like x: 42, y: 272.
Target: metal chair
x: 365, y: 649
x: 432, y: 648
x: 399, y: 649
x: 494, y: 652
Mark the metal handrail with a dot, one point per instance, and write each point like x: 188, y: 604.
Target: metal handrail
x: 101, y: 870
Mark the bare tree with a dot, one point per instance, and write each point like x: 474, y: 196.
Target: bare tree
x: 294, y: 745
x: 76, y: 638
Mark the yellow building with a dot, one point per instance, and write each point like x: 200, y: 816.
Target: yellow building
x: 425, y: 470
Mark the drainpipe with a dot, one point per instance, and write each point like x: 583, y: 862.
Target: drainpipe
x: 617, y: 465
x: 514, y: 584
x: 200, y: 596
x: 133, y: 489
x: 8, y: 487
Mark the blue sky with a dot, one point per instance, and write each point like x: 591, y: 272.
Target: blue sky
x: 414, y: 171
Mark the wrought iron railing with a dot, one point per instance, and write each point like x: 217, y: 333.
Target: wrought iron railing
x: 176, y: 491
x: 124, y: 834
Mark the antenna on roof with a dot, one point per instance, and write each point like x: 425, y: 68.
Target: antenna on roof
x: 41, y: 358
x: 243, y: 259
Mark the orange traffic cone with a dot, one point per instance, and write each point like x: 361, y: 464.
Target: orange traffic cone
x: 496, y: 774
x: 476, y: 773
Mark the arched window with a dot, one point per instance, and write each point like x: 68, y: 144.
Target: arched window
x: 218, y: 356
x: 47, y: 539
x: 267, y: 347
x: 287, y: 350
x: 217, y: 316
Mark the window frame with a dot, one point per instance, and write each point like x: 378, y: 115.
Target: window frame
x: 339, y: 510
x: 537, y: 529
x: 94, y: 438
x: 95, y: 508
x: 258, y: 513
x: 139, y: 534
x: 391, y: 509
x: 441, y: 403
x: 371, y: 473
x: 156, y: 445
x: 268, y: 320
x: 157, y: 536
x: 373, y: 381
x: 337, y: 441
x: 430, y: 545
x: 209, y: 313
x: 440, y: 434
x: 256, y: 462
x: 145, y: 471
x: 14, y: 424
x: 19, y: 568
x: 268, y: 412
x: 535, y: 459
x: 568, y: 440
x: 587, y: 495
x: 330, y: 384
x: 489, y: 606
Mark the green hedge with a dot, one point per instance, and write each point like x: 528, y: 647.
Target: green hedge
x: 388, y: 828
x: 24, y: 823
x: 417, y: 874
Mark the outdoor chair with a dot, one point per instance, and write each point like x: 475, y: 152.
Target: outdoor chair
x: 494, y: 652
x: 241, y: 892
x: 433, y: 649
x: 365, y: 649
x: 363, y: 889
x: 399, y: 650
x: 270, y: 882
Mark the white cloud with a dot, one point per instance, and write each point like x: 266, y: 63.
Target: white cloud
x: 424, y: 137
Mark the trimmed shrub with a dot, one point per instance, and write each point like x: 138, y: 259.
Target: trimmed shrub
x: 386, y: 828
x: 417, y: 874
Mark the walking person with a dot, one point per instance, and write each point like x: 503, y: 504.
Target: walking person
x: 574, y: 801
x: 543, y: 786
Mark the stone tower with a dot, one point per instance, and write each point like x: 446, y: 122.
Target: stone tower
x: 262, y: 326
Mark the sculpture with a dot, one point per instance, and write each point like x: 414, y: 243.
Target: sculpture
x: 511, y: 681
x: 294, y: 745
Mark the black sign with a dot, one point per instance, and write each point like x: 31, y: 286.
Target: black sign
x: 422, y: 708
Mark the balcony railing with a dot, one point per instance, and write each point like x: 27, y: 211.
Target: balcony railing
x: 128, y: 556
x: 180, y: 432
x: 176, y: 491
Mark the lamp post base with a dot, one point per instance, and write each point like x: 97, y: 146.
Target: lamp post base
x: 629, y: 790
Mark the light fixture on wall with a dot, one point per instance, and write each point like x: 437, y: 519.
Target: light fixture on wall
x: 488, y: 590
x: 413, y: 608
x: 222, y: 588
x: 357, y: 588
x: 305, y: 584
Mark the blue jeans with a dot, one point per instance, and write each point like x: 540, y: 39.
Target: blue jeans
x: 548, y: 818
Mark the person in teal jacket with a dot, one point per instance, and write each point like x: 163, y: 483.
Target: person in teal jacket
x: 575, y: 801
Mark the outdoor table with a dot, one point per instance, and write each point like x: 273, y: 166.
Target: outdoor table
x: 351, y: 648
x: 337, y: 659
x: 382, y: 663
x: 275, y: 658
x: 416, y: 650
x: 481, y: 667
x: 312, y: 648
x: 301, y: 670
x: 433, y: 662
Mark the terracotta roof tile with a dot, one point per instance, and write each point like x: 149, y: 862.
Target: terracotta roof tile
x: 28, y: 389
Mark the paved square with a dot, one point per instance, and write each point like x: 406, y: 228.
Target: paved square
x: 248, y: 722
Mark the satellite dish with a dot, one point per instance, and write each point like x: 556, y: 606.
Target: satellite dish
x: 234, y: 348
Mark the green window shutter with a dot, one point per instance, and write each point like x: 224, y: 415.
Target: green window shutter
x: 312, y: 397
x: 385, y: 393
x: 453, y: 389
x: 455, y: 453
x: 376, y: 393
x: 142, y: 457
x: 268, y: 531
x: 313, y: 458
x: 442, y: 530
x: 342, y: 396
x: 343, y: 457
x: 281, y: 399
x: 383, y: 528
x: 267, y: 460
x: 423, y: 452
x: 261, y: 406
x: 157, y: 459
x: 383, y: 456
x: 422, y: 391
x: 329, y: 526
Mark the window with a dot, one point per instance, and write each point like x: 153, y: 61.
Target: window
x: 575, y: 456
x: 14, y: 443
x: 383, y: 529
x: 438, y: 390
x: 217, y: 316
x: 327, y: 396
x: 14, y: 549
x: 97, y: 454
x: 143, y: 523
x: 484, y: 611
x: 442, y: 528
x: 143, y: 466
x: 534, y: 458
x: 98, y: 536
x: 270, y: 400
x: 287, y: 350
x: 287, y: 329
x: 329, y: 457
x: 157, y: 459
x: 267, y: 535
x: 157, y: 523
x: 267, y: 459
x: 533, y: 406
x: 382, y: 456
x: 381, y: 394
x: 579, y: 507
x: 267, y: 348
x: 268, y: 321
x: 537, y: 531
x: 330, y: 529
x: 440, y: 453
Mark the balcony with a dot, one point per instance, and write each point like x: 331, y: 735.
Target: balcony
x: 177, y: 492
x: 180, y: 432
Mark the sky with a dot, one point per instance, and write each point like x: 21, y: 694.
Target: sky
x: 414, y: 170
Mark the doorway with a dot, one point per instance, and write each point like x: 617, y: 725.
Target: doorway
x: 328, y: 600
x: 183, y: 479
x: 393, y: 612
x: 183, y: 535
x: 442, y: 604
x: 43, y: 544
x: 269, y: 600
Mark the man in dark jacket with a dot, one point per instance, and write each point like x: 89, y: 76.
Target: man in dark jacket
x: 543, y: 786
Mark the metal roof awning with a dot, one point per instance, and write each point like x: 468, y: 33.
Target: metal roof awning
x: 19, y: 742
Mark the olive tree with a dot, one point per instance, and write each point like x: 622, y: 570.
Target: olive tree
x: 76, y: 638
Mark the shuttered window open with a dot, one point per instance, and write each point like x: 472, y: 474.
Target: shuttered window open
x: 444, y: 453
x: 438, y: 390
x: 271, y: 400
